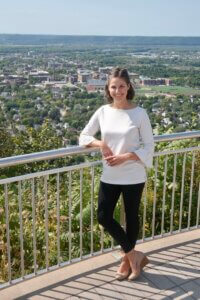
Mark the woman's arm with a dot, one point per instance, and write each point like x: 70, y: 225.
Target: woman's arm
x: 145, y: 153
x: 91, y: 128
x: 105, y: 150
x: 87, y: 135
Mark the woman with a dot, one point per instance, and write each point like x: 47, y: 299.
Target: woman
x: 122, y: 124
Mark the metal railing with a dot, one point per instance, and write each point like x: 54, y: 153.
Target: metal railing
x: 48, y: 218
x: 52, y: 154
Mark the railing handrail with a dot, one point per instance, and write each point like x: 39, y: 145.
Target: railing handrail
x: 62, y: 152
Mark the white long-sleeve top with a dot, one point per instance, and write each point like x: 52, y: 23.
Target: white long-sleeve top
x: 122, y: 130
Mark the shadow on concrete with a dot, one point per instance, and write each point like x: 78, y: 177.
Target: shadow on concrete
x: 165, y: 279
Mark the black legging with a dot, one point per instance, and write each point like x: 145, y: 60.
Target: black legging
x: 108, y: 197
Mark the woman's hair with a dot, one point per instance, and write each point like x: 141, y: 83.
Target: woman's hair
x: 122, y: 74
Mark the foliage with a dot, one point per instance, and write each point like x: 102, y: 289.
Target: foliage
x: 52, y: 119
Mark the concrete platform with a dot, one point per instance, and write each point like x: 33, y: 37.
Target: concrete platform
x: 173, y: 273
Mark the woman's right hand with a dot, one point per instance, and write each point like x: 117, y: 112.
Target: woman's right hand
x: 105, y: 150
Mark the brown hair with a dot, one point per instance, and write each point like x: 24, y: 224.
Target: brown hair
x: 122, y: 74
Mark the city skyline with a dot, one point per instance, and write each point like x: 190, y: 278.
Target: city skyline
x: 93, y: 17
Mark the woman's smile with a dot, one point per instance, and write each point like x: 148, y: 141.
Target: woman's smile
x: 118, y: 89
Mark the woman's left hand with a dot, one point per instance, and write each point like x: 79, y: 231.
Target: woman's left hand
x: 116, y: 159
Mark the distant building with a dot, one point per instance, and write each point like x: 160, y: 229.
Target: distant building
x: 71, y: 78
x: 95, y: 75
x: 105, y: 70
x: 84, y: 75
x: 157, y: 81
x: 56, y: 85
x: 168, y: 81
x: 6, y: 95
x: 39, y: 76
x: 15, y: 79
x: 55, y: 65
x: 134, y: 76
x: 95, y: 85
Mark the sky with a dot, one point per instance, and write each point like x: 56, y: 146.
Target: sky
x: 101, y: 17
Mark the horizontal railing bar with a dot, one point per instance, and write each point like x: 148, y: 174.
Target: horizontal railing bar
x: 45, y: 155
x: 177, y: 136
x: 177, y: 151
x: 84, y: 165
x: 63, y: 152
x: 49, y: 172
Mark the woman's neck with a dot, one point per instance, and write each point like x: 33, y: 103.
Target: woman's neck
x: 124, y: 104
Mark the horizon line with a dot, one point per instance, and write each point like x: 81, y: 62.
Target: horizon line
x: 102, y: 35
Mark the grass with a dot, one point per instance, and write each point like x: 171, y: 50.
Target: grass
x: 174, y: 90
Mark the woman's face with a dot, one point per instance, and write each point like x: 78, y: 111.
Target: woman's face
x: 118, y: 89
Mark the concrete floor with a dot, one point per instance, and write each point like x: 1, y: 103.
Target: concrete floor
x: 173, y: 273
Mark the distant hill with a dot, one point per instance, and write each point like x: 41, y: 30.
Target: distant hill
x: 29, y: 39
